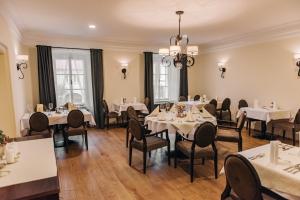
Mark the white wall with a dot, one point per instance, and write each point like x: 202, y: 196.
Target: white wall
x: 266, y: 72
x: 10, y: 39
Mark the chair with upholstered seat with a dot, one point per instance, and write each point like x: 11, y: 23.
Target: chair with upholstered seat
x: 144, y: 142
x: 39, y: 124
x: 132, y: 114
x: 287, y: 125
x: 75, y: 126
x: 232, y: 133
x: 243, y: 182
x: 109, y: 115
x: 211, y: 109
x: 242, y: 104
x: 201, y: 147
x: 182, y: 98
x: 197, y: 97
x: 224, y: 108
x: 214, y: 102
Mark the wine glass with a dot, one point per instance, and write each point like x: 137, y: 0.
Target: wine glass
x: 168, y: 106
x: 50, y: 106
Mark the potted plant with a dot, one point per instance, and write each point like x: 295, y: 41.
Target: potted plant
x: 3, y: 142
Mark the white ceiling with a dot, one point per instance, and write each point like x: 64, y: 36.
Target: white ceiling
x: 150, y: 22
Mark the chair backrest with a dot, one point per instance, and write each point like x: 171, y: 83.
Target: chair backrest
x: 147, y: 101
x: 38, y: 122
x: 211, y: 109
x: 297, y: 117
x: 242, y: 177
x: 214, y: 102
x: 105, y: 106
x: 241, y: 121
x: 226, y: 104
x: 205, y: 134
x: 136, y: 129
x: 75, y: 119
x: 182, y: 98
x: 242, y: 103
x: 197, y: 97
x: 131, y: 113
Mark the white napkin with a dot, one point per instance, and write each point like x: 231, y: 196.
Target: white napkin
x: 189, y: 117
x: 255, y: 104
x: 195, y: 110
x: 134, y: 99
x: 274, y: 151
x: 162, y: 116
x: 155, y: 112
x: 274, y: 106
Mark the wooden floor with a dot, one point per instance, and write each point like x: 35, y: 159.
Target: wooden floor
x: 103, y: 172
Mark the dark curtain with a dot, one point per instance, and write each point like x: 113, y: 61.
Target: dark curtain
x: 46, y: 76
x: 98, y: 85
x: 149, y: 78
x: 184, y: 87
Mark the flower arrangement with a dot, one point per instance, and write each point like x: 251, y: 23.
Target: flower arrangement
x: 180, y: 110
x: 3, y: 138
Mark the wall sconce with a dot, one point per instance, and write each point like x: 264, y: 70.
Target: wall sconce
x: 297, y: 59
x: 222, y: 69
x: 21, y: 64
x: 124, y: 67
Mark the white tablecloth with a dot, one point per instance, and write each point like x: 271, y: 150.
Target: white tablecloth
x: 273, y: 176
x: 181, y: 125
x: 55, y: 118
x: 119, y: 108
x: 37, y: 161
x: 265, y: 114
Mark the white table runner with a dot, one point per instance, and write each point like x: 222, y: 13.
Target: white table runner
x: 56, y: 118
x: 119, y: 108
x: 265, y: 114
x: 37, y: 161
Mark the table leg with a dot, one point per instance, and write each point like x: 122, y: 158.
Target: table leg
x: 264, y: 134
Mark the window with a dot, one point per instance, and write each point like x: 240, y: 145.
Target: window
x: 165, y: 81
x: 72, y: 75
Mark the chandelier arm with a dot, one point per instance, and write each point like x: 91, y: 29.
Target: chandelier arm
x: 190, y: 61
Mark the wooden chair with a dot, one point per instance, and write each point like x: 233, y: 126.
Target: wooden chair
x: 132, y: 114
x: 39, y: 124
x: 242, y: 103
x: 75, y: 126
x: 214, y: 102
x: 211, y: 109
x: 109, y: 115
x: 202, y: 147
x: 242, y: 181
x: 197, y: 97
x: 225, y: 108
x: 232, y: 133
x: 144, y: 142
x: 182, y: 98
x: 286, y: 125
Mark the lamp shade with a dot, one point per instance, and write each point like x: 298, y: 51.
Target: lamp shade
x: 22, y: 57
x: 174, y: 50
x: 192, y: 50
x: 163, y: 52
x: 297, y: 56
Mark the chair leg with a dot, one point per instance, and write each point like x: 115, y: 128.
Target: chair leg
x: 127, y: 137
x: 203, y: 161
x: 283, y: 135
x: 294, y: 137
x: 192, y: 167
x: 66, y: 143
x: 175, y: 157
x: 247, y: 124
x: 216, y: 165
x: 144, y: 161
x: 169, y: 156
x: 249, y: 128
x: 86, y: 141
x: 107, y: 122
x: 149, y: 154
x: 130, y: 154
x: 229, y: 114
x: 240, y: 146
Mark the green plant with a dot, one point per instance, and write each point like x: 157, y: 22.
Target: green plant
x: 3, y: 138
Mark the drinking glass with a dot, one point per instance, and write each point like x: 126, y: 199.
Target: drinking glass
x: 50, y: 106
x: 168, y: 106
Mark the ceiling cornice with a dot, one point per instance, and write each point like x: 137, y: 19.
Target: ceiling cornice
x: 282, y: 31
x: 12, y: 25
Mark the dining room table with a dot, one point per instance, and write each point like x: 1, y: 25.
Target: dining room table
x: 122, y: 107
x: 282, y: 176
x: 265, y: 115
x: 33, y: 175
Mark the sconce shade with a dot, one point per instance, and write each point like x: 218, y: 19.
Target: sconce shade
x: 297, y: 56
x: 192, y: 50
x: 22, y: 57
x: 163, y: 52
x: 174, y: 50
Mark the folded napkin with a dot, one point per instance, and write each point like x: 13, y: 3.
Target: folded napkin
x: 155, y: 112
x: 205, y: 114
x: 195, y: 109
x: 39, y: 108
x: 189, y: 117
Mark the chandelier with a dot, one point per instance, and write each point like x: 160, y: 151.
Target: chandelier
x: 179, y: 51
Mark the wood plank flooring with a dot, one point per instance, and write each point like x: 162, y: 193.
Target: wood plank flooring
x: 103, y: 172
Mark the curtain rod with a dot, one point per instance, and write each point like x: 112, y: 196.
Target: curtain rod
x: 68, y: 48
